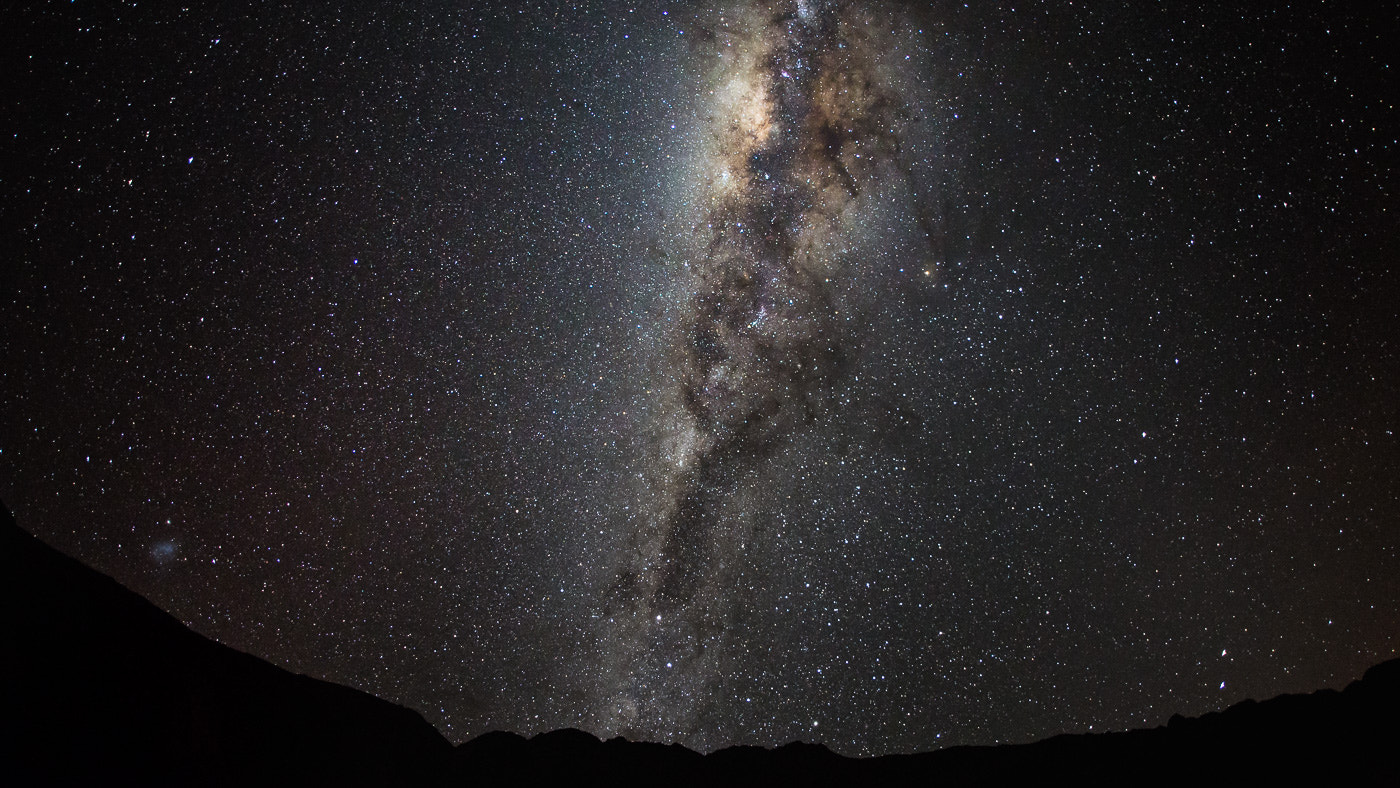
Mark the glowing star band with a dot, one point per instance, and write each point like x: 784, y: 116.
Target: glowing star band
x: 799, y: 122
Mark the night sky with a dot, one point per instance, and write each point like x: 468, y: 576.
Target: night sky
x: 885, y: 375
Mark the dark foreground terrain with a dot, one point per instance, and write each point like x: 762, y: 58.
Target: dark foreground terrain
x: 103, y: 688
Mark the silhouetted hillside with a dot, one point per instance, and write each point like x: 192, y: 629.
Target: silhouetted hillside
x: 103, y: 688
x: 1328, y: 737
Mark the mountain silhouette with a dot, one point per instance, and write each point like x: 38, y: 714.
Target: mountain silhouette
x: 103, y: 688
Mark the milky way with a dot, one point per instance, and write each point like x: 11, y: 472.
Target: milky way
x: 801, y: 118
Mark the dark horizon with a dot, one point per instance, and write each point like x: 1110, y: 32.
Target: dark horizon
x: 103, y: 687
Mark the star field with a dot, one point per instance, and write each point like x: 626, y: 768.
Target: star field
x: 376, y: 343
